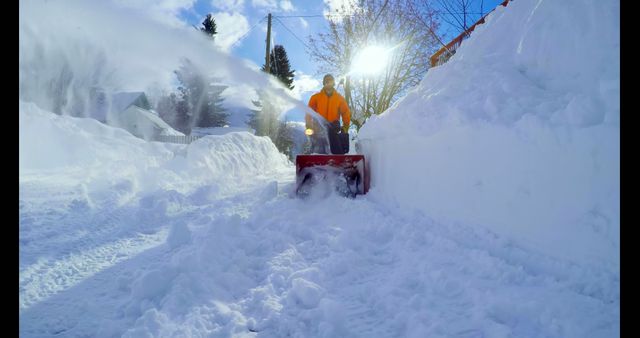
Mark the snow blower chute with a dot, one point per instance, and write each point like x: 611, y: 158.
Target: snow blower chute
x: 348, y: 174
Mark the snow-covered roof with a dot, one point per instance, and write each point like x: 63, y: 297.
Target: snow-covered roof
x: 154, y: 120
x: 122, y: 100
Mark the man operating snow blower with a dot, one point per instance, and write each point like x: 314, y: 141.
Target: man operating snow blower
x: 329, y: 104
x: 328, y: 162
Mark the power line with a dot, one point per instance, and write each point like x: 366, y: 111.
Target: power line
x: 351, y: 15
x: 249, y: 31
x: 312, y: 16
x: 344, y: 15
x: 294, y: 34
x: 298, y: 16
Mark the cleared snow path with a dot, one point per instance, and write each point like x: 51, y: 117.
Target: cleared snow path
x: 63, y: 240
x: 267, y: 265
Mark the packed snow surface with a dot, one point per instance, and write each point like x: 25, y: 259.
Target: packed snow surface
x: 148, y: 239
x: 494, y: 209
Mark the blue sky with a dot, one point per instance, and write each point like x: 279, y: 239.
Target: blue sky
x: 242, y: 28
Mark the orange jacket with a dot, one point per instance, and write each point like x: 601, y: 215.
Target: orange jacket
x: 329, y: 107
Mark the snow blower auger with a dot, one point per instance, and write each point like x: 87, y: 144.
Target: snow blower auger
x: 318, y: 174
x: 347, y: 174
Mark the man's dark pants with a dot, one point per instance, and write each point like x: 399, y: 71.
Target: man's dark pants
x: 319, y: 140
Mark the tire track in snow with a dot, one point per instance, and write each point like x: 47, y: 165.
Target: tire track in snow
x: 82, y: 243
x: 48, y: 277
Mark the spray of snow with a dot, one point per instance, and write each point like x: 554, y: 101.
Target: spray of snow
x: 59, y: 68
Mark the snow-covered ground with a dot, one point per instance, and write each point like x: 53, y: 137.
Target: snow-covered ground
x: 150, y: 239
x: 494, y: 209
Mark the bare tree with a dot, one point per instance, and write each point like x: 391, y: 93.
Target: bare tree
x: 459, y: 14
x: 423, y: 13
x: 388, y: 23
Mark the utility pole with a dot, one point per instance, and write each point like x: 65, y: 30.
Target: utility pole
x: 268, y: 54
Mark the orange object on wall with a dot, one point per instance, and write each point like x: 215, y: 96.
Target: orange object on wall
x: 444, y: 53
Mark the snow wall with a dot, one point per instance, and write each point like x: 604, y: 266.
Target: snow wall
x: 518, y: 132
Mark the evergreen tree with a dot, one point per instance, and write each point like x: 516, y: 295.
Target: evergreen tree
x: 198, y: 102
x: 209, y: 26
x: 183, y: 116
x: 280, y: 67
x: 212, y: 114
x: 284, y: 139
x: 190, y: 94
x: 266, y: 123
x: 174, y: 110
x: 265, y: 120
x: 166, y: 109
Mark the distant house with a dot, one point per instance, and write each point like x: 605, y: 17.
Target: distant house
x: 132, y: 112
x: 144, y: 123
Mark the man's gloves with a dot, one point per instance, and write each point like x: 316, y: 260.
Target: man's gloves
x: 345, y: 129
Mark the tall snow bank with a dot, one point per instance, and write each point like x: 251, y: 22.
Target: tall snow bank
x: 49, y: 141
x: 237, y: 155
x: 97, y: 154
x: 519, y: 132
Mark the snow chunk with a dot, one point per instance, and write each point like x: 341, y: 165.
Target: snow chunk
x: 179, y: 235
x: 306, y: 293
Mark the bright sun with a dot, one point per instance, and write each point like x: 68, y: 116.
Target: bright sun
x: 371, y: 60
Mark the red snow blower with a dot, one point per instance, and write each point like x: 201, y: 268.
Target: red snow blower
x: 347, y: 174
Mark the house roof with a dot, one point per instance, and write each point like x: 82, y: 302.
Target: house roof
x: 122, y: 100
x: 156, y: 120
